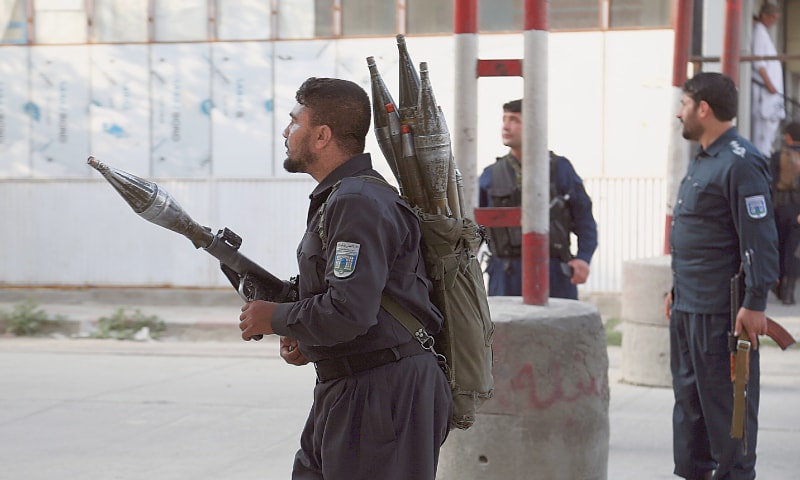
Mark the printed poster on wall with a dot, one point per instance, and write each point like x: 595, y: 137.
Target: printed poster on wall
x: 120, y: 107
x: 14, y: 113
x: 180, y: 110
x: 242, y: 109
x: 59, y: 113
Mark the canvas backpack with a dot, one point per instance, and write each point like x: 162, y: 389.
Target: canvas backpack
x: 464, y: 344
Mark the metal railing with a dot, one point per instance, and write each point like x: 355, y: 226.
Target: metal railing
x: 630, y: 215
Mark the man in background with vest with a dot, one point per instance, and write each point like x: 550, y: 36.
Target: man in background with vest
x: 785, y: 170
x: 570, y: 212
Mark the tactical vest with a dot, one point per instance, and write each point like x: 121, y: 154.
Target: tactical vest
x: 506, y: 191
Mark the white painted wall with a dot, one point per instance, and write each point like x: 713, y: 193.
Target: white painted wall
x: 64, y: 225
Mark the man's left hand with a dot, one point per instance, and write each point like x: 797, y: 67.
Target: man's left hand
x: 753, y: 322
x: 256, y: 319
x: 580, y: 271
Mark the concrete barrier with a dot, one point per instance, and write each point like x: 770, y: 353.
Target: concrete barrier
x: 645, y: 330
x: 548, y: 418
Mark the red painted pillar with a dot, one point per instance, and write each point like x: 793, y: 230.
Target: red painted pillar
x: 730, y: 53
x: 535, y: 158
x: 465, y: 133
x: 678, y: 156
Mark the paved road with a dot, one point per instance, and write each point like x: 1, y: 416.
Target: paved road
x: 98, y: 409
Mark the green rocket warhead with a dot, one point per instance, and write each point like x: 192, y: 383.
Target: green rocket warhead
x: 432, y: 144
x: 381, y: 99
x: 409, y: 84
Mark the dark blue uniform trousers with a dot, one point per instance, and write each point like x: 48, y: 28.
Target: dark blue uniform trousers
x: 386, y: 423
x: 701, y: 418
x: 788, y: 238
x: 505, y: 279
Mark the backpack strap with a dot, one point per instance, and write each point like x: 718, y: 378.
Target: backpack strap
x: 406, y: 319
x: 414, y: 327
x: 321, y: 209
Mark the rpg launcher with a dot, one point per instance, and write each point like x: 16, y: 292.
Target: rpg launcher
x: 156, y: 205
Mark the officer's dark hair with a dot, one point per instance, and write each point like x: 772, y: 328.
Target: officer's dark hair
x: 717, y: 90
x: 341, y: 105
x: 793, y: 130
x: 514, y: 106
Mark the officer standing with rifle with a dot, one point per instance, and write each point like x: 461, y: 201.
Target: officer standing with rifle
x: 722, y: 224
x: 570, y: 212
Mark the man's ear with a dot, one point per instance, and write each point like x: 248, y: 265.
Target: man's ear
x: 704, y: 109
x: 324, y: 135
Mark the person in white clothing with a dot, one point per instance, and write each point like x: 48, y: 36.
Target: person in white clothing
x: 767, y: 109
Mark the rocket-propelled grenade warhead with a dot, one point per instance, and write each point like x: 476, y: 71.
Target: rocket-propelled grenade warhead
x: 409, y: 83
x: 381, y: 98
x: 432, y: 145
x: 154, y: 204
x: 415, y: 190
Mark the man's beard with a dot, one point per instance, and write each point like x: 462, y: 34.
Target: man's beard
x: 299, y: 161
x: 690, y: 134
x: 691, y: 127
x: 293, y: 166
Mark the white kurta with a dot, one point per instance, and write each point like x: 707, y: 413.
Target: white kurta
x: 767, y: 109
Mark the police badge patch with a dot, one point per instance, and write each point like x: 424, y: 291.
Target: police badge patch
x: 756, y: 206
x: 344, y: 263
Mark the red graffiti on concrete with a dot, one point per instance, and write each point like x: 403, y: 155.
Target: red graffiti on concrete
x: 525, y: 381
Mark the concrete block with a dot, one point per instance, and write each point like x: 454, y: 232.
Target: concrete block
x: 645, y: 355
x: 645, y: 282
x: 645, y: 329
x: 548, y: 418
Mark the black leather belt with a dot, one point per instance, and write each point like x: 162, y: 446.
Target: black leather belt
x: 332, y: 368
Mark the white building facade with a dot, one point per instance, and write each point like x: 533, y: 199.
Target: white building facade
x: 196, y: 98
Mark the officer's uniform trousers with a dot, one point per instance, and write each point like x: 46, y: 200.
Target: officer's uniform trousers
x: 701, y: 377
x: 372, y: 418
x: 788, y: 238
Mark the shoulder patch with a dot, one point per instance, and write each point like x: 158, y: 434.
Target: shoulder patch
x: 756, y: 206
x: 737, y: 149
x: 344, y: 263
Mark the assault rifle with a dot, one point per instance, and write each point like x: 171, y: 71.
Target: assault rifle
x: 740, y: 356
x: 156, y: 205
x: 560, y: 218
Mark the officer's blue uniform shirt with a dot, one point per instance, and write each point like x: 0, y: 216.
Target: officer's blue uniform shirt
x: 724, y: 209
x: 371, y: 246
x: 567, y: 182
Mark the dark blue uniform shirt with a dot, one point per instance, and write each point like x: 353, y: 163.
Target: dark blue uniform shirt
x: 723, y: 210
x: 372, y: 245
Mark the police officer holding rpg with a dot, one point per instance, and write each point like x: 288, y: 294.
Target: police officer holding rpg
x: 570, y: 212
x: 381, y: 404
x: 785, y: 168
x: 722, y: 221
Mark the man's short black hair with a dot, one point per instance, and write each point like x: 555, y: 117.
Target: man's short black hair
x: 342, y: 105
x: 717, y: 90
x: 793, y: 129
x: 514, y: 106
